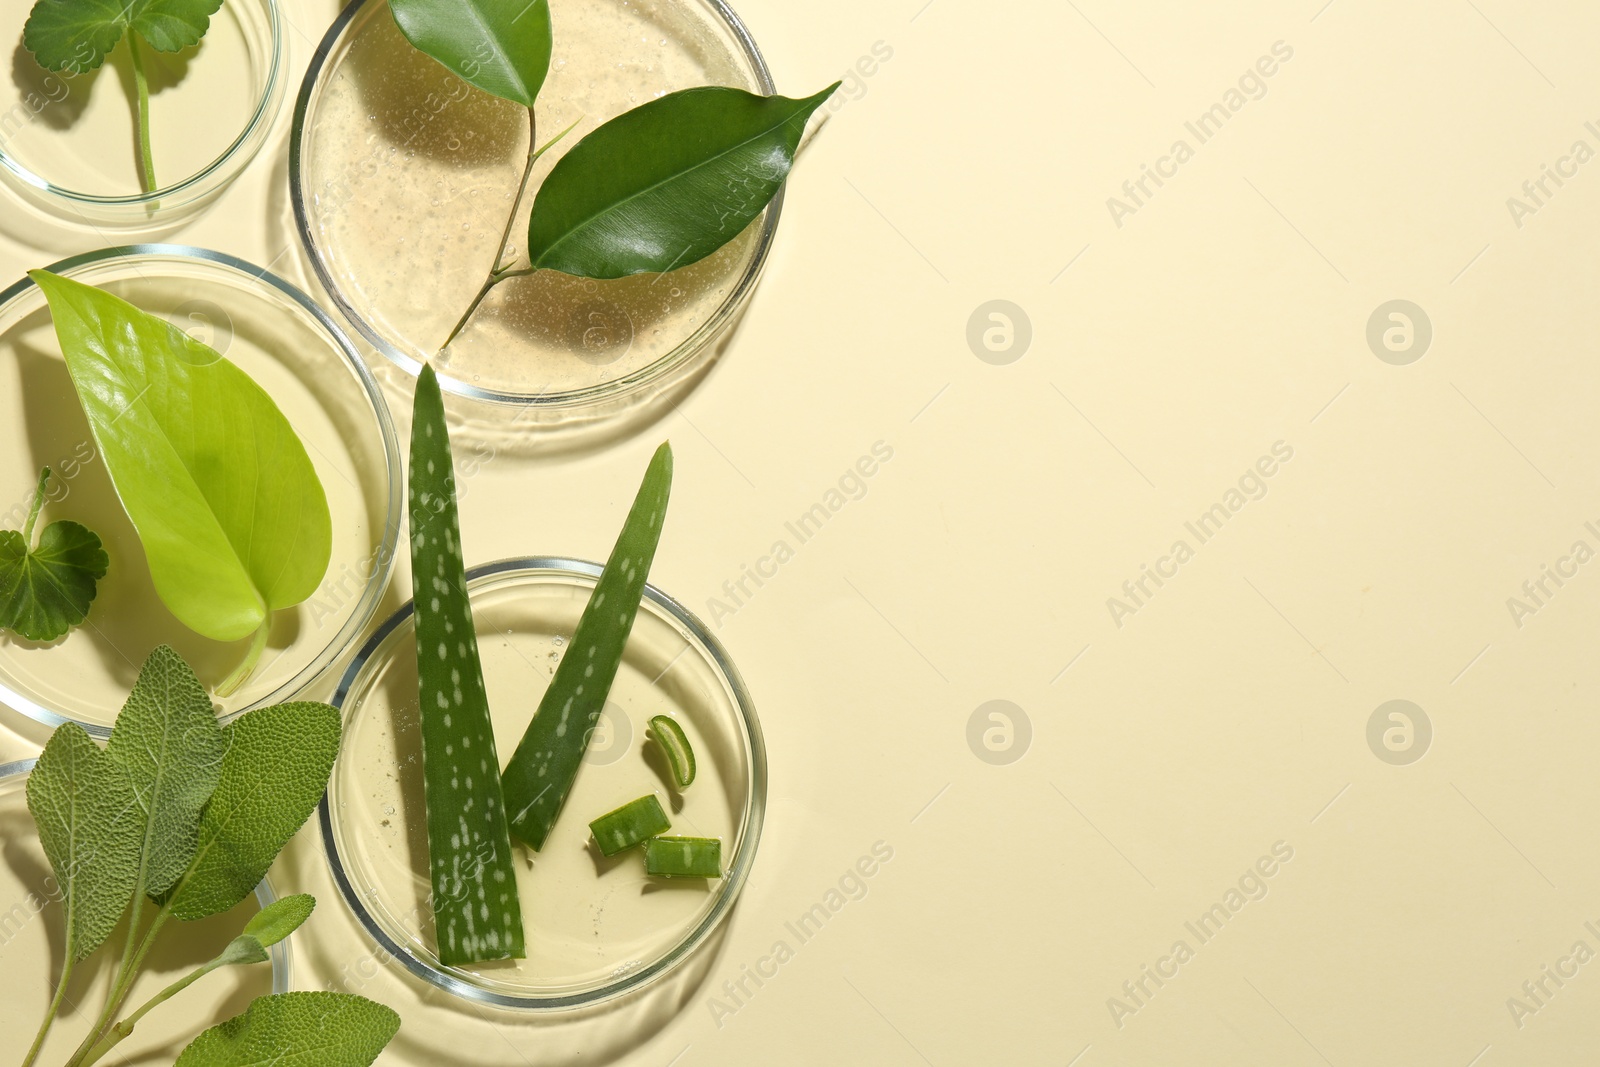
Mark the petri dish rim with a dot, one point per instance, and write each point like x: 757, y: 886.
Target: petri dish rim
x: 136, y: 208
x: 367, y: 607
x: 660, y: 370
x: 732, y: 886
x: 281, y: 954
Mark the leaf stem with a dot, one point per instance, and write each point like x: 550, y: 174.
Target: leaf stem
x: 38, y: 506
x: 132, y: 964
x: 241, y: 674
x: 55, y: 1008
x: 142, y: 87
x: 499, y: 273
x: 124, y: 1029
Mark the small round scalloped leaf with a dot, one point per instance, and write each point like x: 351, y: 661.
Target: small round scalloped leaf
x: 46, y: 591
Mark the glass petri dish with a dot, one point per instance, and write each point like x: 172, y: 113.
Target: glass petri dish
x: 30, y: 955
x: 68, y: 144
x: 596, y: 929
x: 399, y: 171
x: 296, y: 353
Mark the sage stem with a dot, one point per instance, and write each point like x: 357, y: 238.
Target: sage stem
x: 55, y: 1008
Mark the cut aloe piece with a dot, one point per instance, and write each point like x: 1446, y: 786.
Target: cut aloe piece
x: 477, y: 914
x: 635, y: 822
x: 541, y: 771
x: 675, y: 743
x: 683, y: 857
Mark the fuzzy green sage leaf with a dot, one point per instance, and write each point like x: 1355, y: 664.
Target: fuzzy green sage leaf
x: 476, y: 909
x: 87, y: 816
x: 666, y: 184
x: 169, y: 743
x: 545, y: 764
x: 274, y: 771
x: 46, y: 590
x: 500, y: 46
x: 297, y: 1030
x: 227, y: 503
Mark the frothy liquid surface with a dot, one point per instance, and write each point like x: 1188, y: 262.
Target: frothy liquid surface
x: 411, y: 175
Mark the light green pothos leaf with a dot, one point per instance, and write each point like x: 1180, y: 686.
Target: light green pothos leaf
x: 297, y: 1030
x: 76, y: 35
x: 46, y: 591
x: 87, y: 817
x: 668, y: 183
x: 274, y: 771
x: 168, y: 741
x: 500, y: 46
x: 227, y: 503
x: 266, y: 928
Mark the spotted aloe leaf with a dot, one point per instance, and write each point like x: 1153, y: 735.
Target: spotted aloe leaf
x: 477, y: 913
x: 545, y: 764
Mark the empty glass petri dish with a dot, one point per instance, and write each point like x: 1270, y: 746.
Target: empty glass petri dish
x: 596, y: 928
x: 68, y: 144
x: 298, y: 355
x: 401, y: 173
x: 30, y: 956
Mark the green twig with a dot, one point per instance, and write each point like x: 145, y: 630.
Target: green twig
x: 498, y: 273
x: 38, y: 506
x: 241, y: 674
x: 142, y: 87
x: 55, y: 1007
x: 124, y: 1029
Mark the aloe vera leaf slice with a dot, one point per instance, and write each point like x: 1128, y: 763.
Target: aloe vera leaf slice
x: 683, y: 857
x: 634, y: 823
x: 675, y: 743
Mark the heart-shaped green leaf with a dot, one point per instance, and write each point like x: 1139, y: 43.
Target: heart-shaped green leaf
x: 76, y: 35
x: 46, y: 591
x: 169, y: 743
x: 233, y: 519
x: 500, y: 46
x: 274, y: 771
x: 666, y: 184
x: 88, y: 824
x: 297, y: 1030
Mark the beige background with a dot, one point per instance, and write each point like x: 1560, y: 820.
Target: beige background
x: 1169, y: 353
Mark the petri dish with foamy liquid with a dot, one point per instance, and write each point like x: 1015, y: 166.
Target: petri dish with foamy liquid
x: 294, y: 351
x: 403, y: 176
x: 596, y: 928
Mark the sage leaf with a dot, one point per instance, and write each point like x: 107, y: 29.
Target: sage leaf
x: 545, y: 764
x: 233, y: 518
x: 500, y: 46
x: 666, y: 184
x: 297, y: 1030
x: 45, y: 591
x: 476, y: 910
x: 86, y: 813
x: 169, y: 744
x: 266, y: 928
x: 274, y: 770
x: 77, y: 35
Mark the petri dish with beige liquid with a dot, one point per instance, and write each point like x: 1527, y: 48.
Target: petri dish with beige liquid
x: 31, y: 946
x: 596, y: 928
x: 69, y: 144
x: 403, y: 176
x: 293, y: 350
